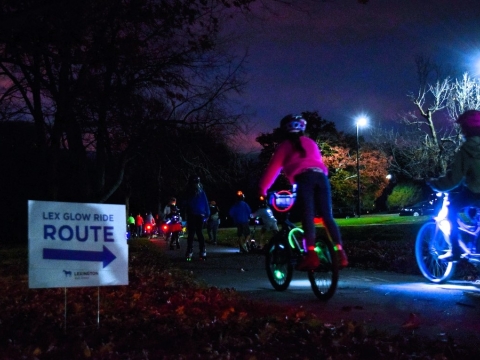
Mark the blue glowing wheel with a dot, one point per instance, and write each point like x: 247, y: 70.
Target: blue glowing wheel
x: 430, y: 243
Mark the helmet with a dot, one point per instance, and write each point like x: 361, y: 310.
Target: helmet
x: 469, y: 121
x: 262, y: 202
x: 240, y: 195
x: 293, y: 123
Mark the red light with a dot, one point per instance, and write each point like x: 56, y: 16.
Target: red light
x: 283, y: 201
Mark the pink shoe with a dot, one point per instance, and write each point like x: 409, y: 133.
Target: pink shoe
x: 309, y: 262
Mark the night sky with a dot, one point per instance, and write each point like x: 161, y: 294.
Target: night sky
x: 344, y: 59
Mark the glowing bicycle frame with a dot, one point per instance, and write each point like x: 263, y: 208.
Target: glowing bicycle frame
x: 433, y: 240
x: 286, y: 248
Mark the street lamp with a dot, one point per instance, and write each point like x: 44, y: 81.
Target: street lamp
x: 361, y: 122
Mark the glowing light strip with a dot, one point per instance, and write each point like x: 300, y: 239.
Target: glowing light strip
x: 291, y: 237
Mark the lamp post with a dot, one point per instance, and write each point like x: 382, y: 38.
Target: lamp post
x: 361, y: 122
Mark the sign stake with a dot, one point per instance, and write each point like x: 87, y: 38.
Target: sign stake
x: 65, y: 314
x: 98, y: 307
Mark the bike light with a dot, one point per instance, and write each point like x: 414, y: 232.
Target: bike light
x: 279, y: 274
x: 282, y: 201
x: 445, y: 226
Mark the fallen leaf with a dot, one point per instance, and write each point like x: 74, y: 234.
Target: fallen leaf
x: 413, y: 322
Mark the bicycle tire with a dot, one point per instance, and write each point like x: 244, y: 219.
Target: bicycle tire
x: 429, y: 244
x: 324, y: 279
x: 278, y: 264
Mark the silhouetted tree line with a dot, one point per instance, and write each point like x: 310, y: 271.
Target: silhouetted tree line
x: 122, y: 98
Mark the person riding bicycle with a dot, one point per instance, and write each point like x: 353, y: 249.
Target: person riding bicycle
x: 301, y: 161
x: 268, y: 219
x: 240, y: 214
x: 462, y: 173
x: 172, y: 214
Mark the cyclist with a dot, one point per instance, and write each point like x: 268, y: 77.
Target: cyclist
x: 172, y: 214
x: 462, y: 173
x: 131, y: 225
x: 269, y: 222
x: 240, y: 214
x: 300, y: 159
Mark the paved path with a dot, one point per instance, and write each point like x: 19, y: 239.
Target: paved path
x: 381, y: 300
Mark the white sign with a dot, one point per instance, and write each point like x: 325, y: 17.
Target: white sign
x: 76, y: 244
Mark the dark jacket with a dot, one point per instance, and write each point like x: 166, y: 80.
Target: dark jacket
x: 465, y: 168
x: 197, y: 204
x: 240, y: 212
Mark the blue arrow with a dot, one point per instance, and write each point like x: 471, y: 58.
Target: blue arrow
x: 80, y: 255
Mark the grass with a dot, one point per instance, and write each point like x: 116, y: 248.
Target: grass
x: 390, y: 219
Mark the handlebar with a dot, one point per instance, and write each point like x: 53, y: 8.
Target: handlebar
x: 281, y: 201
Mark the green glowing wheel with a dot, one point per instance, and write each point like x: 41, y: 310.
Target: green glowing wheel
x: 279, y: 265
x: 324, y: 279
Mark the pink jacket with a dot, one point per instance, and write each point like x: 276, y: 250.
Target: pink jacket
x: 290, y: 160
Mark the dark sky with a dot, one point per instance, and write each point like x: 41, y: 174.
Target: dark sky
x: 343, y: 59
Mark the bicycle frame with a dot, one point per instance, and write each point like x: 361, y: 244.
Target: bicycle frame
x: 285, y: 249
x: 472, y: 231
x: 433, y: 240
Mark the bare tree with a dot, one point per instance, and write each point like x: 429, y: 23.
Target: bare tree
x: 464, y: 95
x: 429, y: 136
x: 85, y: 71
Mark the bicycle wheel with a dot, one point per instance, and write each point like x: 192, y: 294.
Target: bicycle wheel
x: 430, y: 243
x: 324, y: 279
x: 278, y: 264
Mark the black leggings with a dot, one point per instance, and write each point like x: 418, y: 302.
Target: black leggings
x: 195, y: 227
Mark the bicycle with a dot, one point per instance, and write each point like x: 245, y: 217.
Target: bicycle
x: 432, y: 241
x: 285, y: 249
x: 251, y: 244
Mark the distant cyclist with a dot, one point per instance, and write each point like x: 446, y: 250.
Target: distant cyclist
x: 172, y: 217
x: 300, y: 159
x: 240, y: 214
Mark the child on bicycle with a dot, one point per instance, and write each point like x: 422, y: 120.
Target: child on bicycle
x: 240, y: 214
x: 300, y: 159
x: 463, y: 173
x: 268, y: 220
